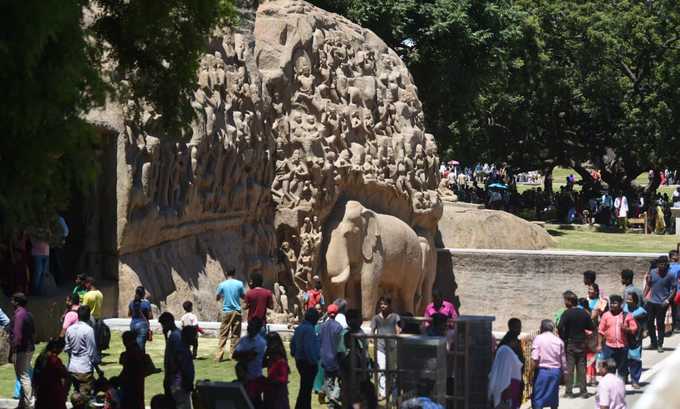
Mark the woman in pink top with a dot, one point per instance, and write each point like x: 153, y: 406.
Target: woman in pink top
x: 611, y: 391
x: 40, y: 251
x: 71, y: 314
x: 439, y: 306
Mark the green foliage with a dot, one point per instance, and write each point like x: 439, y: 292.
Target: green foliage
x: 51, y: 75
x: 593, y: 82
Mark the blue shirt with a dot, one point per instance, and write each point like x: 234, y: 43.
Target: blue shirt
x: 329, y: 338
x: 674, y: 270
x: 305, y: 343
x: 139, y: 309
x: 231, y: 291
x: 257, y: 344
x: 661, y: 287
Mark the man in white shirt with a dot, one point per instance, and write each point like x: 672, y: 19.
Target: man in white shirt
x: 83, y: 356
x: 621, y: 208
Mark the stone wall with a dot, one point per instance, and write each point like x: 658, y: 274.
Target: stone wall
x: 528, y: 285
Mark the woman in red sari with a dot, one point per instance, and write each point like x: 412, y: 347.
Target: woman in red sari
x: 50, y: 377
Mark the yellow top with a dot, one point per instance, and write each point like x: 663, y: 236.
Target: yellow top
x: 94, y: 299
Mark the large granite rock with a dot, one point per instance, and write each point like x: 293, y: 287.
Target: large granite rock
x: 297, y: 111
x: 464, y: 226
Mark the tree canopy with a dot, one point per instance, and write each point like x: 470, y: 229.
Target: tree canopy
x: 541, y: 83
x: 52, y: 59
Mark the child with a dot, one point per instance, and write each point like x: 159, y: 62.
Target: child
x: 276, y: 392
x: 190, y: 328
x: 314, y: 295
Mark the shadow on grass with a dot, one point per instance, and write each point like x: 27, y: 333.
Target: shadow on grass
x: 555, y: 233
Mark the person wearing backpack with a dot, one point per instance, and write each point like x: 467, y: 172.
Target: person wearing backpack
x: 615, y: 328
x: 357, y: 389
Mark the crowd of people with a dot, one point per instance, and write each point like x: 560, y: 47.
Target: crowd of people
x: 496, y: 188
x: 595, y: 340
x: 30, y: 255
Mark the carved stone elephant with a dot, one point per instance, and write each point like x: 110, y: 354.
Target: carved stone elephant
x: 370, y: 255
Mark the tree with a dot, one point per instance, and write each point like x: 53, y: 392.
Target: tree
x: 58, y: 59
x: 591, y: 83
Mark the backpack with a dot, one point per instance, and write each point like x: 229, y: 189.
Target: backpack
x: 103, y: 335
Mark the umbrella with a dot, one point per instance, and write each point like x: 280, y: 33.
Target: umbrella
x: 454, y: 162
x: 498, y: 186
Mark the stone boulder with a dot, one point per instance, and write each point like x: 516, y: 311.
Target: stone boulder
x: 297, y: 111
x: 469, y: 227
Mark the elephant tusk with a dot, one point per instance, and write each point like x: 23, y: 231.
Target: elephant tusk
x: 342, y: 277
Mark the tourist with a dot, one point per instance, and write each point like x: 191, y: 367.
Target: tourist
x: 258, y: 299
x: 139, y: 310
x: 621, y: 208
x: 330, y: 332
x: 79, y: 290
x: 190, y: 328
x: 674, y: 270
x: 40, y: 252
x: 615, y: 328
x: 276, y: 392
x: 627, y: 276
x: 306, y: 349
x: 357, y: 391
x: 23, y: 344
x: 611, y: 391
x: 548, y: 355
x: 50, y: 377
x: 134, y: 363
x: 385, y: 322
x: 230, y: 292
x: 439, y: 305
x: 314, y: 296
x: 83, y: 356
x: 511, y: 338
x: 178, y: 380
x: 71, y: 315
x: 596, y: 306
x: 57, y: 249
x: 574, y: 323
x: 94, y: 299
x: 437, y: 325
x: 342, y: 309
x: 249, y: 353
x: 662, y: 289
x: 505, y: 379
x: 589, y: 278
x: 635, y: 340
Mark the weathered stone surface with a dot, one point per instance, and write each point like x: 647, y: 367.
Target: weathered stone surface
x: 528, y: 285
x: 297, y: 111
x: 467, y: 227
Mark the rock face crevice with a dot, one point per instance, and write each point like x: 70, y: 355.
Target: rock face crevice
x: 297, y: 112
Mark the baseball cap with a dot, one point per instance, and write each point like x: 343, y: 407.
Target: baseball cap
x: 332, y: 309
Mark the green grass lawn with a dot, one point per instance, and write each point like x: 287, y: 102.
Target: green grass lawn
x: 206, y: 368
x: 618, y: 242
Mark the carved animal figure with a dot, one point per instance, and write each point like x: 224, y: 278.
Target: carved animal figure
x: 370, y: 254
